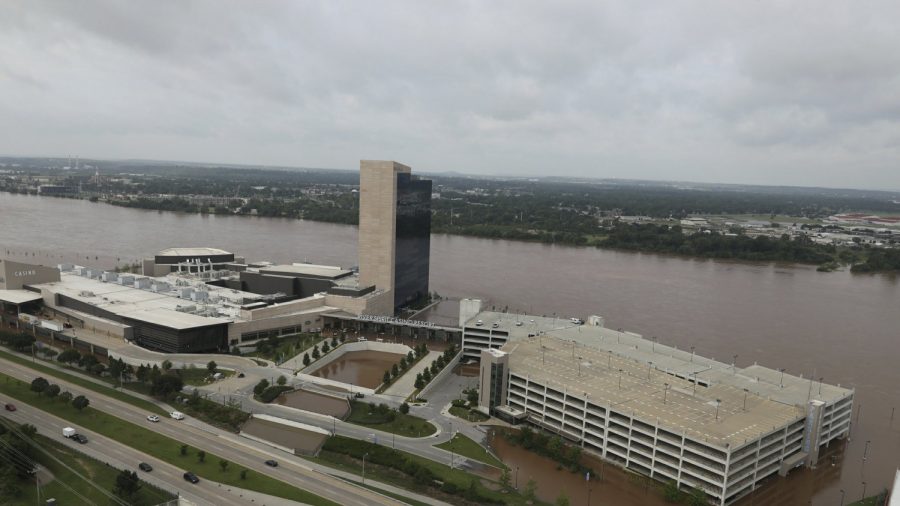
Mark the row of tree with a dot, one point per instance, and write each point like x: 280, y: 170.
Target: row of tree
x: 424, y: 377
x: 51, y: 390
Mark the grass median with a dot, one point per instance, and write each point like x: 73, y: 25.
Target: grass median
x: 108, y: 391
x: 465, y: 446
x: 388, y: 420
x: 160, y: 446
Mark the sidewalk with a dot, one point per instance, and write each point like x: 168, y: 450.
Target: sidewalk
x: 406, y: 385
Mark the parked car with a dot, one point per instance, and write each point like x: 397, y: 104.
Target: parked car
x: 80, y: 438
x: 178, y: 415
x: 272, y: 463
x: 143, y: 466
x: 191, y: 477
x: 10, y: 406
x: 153, y: 418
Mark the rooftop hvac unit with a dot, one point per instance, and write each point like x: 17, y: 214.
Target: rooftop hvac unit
x: 200, y: 296
x: 185, y: 309
x: 126, y: 280
x: 81, y: 271
x: 142, y: 283
x: 186, y: 293
x: 160, y: 287
x: 65, y: 267
x: 85, y: 293
x: 109, y: 277
x: 93, y: 273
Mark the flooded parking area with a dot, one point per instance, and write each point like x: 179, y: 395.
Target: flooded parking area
x: 363, y: 368
x: 317, y: 403
x: 301, y: 441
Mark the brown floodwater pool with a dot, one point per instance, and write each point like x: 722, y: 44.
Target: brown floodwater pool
x: 363, y: 368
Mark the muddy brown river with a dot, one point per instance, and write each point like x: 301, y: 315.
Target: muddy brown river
x: 840, y: 326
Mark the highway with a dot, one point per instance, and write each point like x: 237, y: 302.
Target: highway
x: 223, y: 444
x: 165, y: 476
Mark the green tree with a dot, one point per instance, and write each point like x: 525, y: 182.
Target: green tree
x: 505, y: 478
x: 52, y: 391
x: 223, y: 464
x: 66, y: 397
x: 530, y: 490
x: 316, y: 353
x: 671, y: 492
x: 201, y: 456
x: 80, y: 402
x: 420, y: 383
x: 68, y: 356
x: 306, y: 359
x: 472, y: 397
x: 166, y: 384
x: 127, y: 485
x: 243, y: 474
x: 395, y: 371
x: 281, y: 380
x: 166, y: 365
x: 404, y: 408
x: 261, y: 386
x: 562, y: 499
x: 183, y: 450
x: 212, y: 366
x: 38, y: 385
x: 325, y: 347
x: 386, y: 378
x: 698, y: 497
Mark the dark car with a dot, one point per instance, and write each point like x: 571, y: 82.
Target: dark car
x: 10, y: 406
x: 191, y: 477
x: 272, y: 463
x: 80, y: 438
x: 143, y: 466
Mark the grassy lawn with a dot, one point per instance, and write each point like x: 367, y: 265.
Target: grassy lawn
x: 459, y: 479
x: 198, y: 376
x: 402, y: 425
x: 287, y: 347
x: 468, y: 414
x: 64, y: 472
x: 466, y: 447
x: 401, y: 498
x: 90, y: 385
x: 158, y: 445
x: 868, y: 501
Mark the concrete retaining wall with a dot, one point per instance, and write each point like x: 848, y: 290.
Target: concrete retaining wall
x: 327, y: 382
x: 356, y: 346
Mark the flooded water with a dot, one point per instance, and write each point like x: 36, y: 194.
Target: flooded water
x: 317, y: 403
x: 839, y: 326
x: 301, y: 441
x: 364, y: 368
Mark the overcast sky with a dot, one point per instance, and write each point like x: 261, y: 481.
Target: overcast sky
x: 790, y: 92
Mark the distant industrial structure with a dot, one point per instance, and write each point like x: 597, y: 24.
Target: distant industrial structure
x: 663, y: 412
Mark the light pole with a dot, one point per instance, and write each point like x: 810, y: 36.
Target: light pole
x: 820, y: 386
x: 866, y: 452
x: 782, y: 377
x: 842, y: 497
x: 665, y: 393
x: 864, y: 492
x: 734, y: 365
x: 364, y: 468
x: 692, y: 353
x: 620, y: 379
x: 718, y: 401
x: 649, y: 367
x: 609, y: 361
x: 745, y: 399
x: 517, y: 477
x: 653, y: 345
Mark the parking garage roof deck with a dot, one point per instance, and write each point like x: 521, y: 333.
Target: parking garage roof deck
x: 632, y: 387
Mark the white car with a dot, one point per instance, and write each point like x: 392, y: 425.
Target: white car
x: 177, y: 415
x: 153, y: 418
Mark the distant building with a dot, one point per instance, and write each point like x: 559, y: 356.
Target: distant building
x: 394, y: 230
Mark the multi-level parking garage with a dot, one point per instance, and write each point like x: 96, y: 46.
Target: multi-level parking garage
x: 666, y: 413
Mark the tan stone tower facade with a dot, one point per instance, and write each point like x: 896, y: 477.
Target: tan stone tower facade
x: 394, y: 230
x: 378, y: 221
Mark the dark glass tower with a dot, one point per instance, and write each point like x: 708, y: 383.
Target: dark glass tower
x: 413, y: 246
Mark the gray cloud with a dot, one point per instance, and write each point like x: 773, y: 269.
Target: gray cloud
x: 759, y: 92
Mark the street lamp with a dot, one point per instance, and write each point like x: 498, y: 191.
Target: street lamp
x: 665, y: 392
x: 866, y: 452
x: 620, y: 379
x: 692, y: 353
x: 864, y: 492
x: 653, y: 346
x: 649, y: 367
x: 364, y: 468
x: 734, y: 365
x: 842, y: 497
x: 718, y: 401
x: 782, y: 377
x: 609, y: 361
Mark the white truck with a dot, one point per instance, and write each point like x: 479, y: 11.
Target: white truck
x: 68, y: 432
x: 177, y: 415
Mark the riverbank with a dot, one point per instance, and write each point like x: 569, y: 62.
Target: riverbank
x: 640, y: 238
